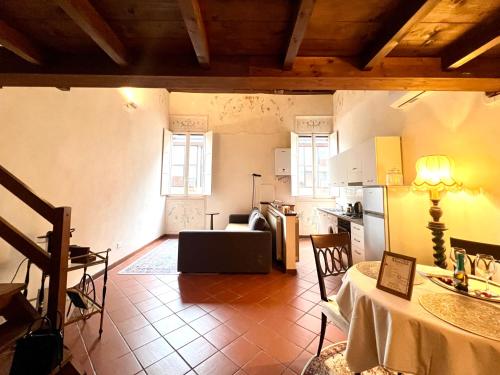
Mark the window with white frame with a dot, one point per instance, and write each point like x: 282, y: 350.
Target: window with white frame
x: 310, y: 155
x: 187, y: 164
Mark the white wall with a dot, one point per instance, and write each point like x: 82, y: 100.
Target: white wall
x: 85, y: 150
x: 458, y: 124
x: 247, y: 129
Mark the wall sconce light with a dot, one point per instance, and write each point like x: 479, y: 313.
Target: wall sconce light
x: 128, y: 94
x: 435, y: 175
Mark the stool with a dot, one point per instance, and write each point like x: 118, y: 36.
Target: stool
x: 212, y: 219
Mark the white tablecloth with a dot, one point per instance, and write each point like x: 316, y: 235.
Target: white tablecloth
x: 401, y: 335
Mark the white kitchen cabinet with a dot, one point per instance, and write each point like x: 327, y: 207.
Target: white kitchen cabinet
x: 338, y: 170
x: 379, y: 156
x: 357, y: 243
x: 354, y: 165
x: 367, y: 163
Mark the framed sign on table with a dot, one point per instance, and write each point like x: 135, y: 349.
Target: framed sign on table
x: 397, y: 274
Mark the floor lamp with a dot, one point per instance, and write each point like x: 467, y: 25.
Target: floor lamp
x: 253, y: 187
x: 435, y: 175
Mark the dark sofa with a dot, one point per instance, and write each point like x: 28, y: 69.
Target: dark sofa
x: 238, y: 249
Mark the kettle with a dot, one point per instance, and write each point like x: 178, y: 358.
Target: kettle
x: 358, y: 208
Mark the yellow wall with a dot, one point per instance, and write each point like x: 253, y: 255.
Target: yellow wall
x: 457, y: 124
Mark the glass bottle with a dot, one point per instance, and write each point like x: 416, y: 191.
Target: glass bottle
x: 460, y: 279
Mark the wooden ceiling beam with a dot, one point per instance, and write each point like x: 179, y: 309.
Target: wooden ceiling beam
x: 260, y: 75
x: 304, y: 12
x: 89, y: 20
x: 19, y: 44
x: 473, y: 43
x: 193, y: 20
x: 406, y: 14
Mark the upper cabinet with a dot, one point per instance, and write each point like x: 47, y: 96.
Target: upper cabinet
x: 354, y: 165
x: 380, y: 156
x: 367, y: 163
x: 338, y: 170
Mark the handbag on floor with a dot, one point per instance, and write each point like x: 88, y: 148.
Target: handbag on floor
x: 40, y: 351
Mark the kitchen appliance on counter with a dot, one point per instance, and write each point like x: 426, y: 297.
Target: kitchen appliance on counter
x: 350, y: 210
x: 375, y: 222
x: 358, y: 209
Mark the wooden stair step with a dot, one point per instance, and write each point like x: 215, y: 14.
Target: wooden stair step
x: 19, y: 314
x: 7, y: 291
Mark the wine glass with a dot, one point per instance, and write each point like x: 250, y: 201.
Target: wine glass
x: 485, y: 268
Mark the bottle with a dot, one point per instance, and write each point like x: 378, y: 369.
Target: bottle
x: 460, y: 279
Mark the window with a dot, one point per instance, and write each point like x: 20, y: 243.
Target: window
x: 187, y: 164
x: 310, y: 164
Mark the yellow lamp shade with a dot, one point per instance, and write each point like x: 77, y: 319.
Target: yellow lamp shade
x: 435, y: 173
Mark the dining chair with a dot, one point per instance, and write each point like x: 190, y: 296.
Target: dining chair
x: 473, y: 248
x: 332, y: 255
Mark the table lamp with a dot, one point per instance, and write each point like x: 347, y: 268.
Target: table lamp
x: 435, y: 175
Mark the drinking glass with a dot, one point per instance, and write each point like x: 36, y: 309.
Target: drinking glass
x: 485, y: 268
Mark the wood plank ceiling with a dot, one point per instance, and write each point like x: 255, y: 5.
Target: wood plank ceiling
x: 252, y: 45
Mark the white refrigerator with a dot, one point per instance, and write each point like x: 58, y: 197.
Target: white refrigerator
x: 375, y: 222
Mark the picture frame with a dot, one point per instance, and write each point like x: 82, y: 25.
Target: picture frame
x: 397, y: 274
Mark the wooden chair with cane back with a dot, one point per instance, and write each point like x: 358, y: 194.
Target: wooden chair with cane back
x: 332, y: 255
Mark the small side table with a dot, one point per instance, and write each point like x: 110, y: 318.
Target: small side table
x: 212, y: 218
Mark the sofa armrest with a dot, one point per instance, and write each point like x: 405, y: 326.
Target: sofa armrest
x: 239, y: 218
x: 225, y: 251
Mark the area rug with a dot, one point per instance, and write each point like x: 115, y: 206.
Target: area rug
x: 161, y: 260
x: 331, y: 361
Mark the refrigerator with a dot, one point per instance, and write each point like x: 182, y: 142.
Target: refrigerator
x: 375, y: 222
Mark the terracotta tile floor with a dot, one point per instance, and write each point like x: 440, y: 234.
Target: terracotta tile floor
x: 205, y: 324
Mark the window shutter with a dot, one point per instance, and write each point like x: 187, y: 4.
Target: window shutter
x: 207, y: 170
x: 165, y: 165
x: 334, y: 145
x: 334, y: 150
x: 294, y: 158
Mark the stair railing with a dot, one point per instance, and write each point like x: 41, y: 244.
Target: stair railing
x: 54, y: 263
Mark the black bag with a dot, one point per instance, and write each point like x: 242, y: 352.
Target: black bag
x: 38, y: 352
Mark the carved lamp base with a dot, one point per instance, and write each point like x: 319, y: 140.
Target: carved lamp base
x: 437, y: 228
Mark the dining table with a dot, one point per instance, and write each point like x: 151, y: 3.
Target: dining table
x: 403, y: 336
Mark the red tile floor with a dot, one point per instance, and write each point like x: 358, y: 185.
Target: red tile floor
x: 205, y: 324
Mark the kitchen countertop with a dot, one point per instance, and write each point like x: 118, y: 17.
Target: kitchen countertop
x: 341, y: 215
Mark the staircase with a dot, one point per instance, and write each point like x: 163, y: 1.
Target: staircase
x: 18, y: 312
x: 14, y: 307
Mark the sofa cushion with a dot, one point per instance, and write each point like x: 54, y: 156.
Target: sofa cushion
x: 234, y: 227
x: 255, y: 212
x: 258, y: 222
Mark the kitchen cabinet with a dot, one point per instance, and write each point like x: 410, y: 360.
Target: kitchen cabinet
x: 367, y: 163
x: 338, y: 170
x: 354, y: 166
x: 357, y: 243
x: 379, y: 156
